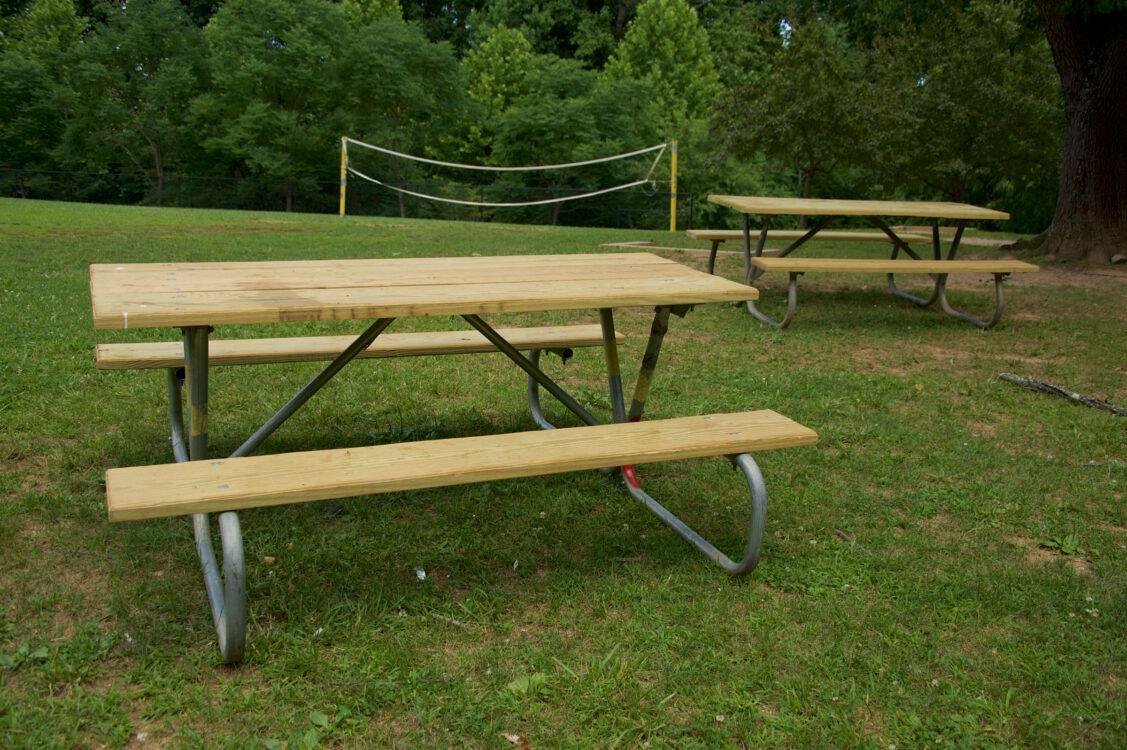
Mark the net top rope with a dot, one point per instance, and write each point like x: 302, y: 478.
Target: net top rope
x: 660, y: 148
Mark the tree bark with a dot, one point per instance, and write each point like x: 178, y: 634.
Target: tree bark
x: 1090, y: 53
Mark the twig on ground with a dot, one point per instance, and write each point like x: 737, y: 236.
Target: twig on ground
x: 1054, y: 390
x: 450, y: 621
x: 845, y: 537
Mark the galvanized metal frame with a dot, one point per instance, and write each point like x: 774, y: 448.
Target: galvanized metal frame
x: 939, y: 280
x: 758, y: 515
x: 226, y: 591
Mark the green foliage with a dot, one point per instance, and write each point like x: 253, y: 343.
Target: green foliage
x: 666, y: 47
x: 529, y: 687
x: 808, y: 108
x: 408, y: 95
x: 31, y: 113
x: 571, y: 114
x: 43, y: 30
x: 498, y: 69
x: 586, y: 31
x: 983, y: 101
x: 133, y: 81
x: 274, y: 85
x: 362, y: 12
x: 940, y: 98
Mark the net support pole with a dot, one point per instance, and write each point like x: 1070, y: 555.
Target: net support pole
x: 343, y: 170
x: 673, y: 192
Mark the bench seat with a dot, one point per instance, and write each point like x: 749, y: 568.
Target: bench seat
x: 147, y: 355
x: 218, y: 485
x: 896, y: 265
x: 938, y: 269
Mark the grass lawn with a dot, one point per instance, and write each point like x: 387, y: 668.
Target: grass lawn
x: 947, y: 568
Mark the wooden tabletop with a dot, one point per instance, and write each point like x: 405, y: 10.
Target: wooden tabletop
x: 750, y: 204
x: 146, y: 295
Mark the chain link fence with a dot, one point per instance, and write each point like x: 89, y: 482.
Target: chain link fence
x: 627, y: 209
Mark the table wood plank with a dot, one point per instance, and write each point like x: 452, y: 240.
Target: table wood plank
x: 349, y: 274
x: 794, y: 234
x: 828, y: 207
x: 174, y: 295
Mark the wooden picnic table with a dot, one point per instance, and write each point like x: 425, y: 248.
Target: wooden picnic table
x: 875, y: 212
x: 196, y: 297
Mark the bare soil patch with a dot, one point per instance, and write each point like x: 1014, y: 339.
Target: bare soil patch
x: 1035, y: 554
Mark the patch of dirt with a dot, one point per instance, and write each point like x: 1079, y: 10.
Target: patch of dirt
x: 941, y: 528
x: 32, y: 472
x: 1036, y: 555
x: 1104, y: 278
x: 981, y: 429
x: 873, y: 360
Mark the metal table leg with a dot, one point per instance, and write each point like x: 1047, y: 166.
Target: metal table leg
x: 983, y: 324
x: 792, y: 302
x: 226, y: 594
x: 758, y: 516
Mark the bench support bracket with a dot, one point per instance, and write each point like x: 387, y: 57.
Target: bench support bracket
x: 756, y: 524
x: 754, y: 547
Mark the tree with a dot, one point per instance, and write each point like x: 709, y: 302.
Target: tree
x: 1089, y: 45
x: 401, y: 91
x: 31, y: 122
x: 573, y: 114
x: 666, y: 46
x: 586, y: 30
x: 363, y: 12
x: 806, y: 109
x: 134, y: 79
x: 42, y: 30
x: 497, y: 72
x: 275, y: 77
x: 976, y: 113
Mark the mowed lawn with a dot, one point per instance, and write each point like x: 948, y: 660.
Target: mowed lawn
x: 946, y: 568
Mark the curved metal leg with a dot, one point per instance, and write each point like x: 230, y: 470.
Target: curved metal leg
x: 227, y: 596
x: 534, y: 395
x: 939, y: 279
x: 712, y: 256
x: 792, y: 302
x: 983, y: 324
x: 756, y: 524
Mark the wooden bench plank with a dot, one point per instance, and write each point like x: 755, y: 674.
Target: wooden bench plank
x: 865, y: 265
x: 723, y: 235
x: 131, y: 356
x: 237, y: 483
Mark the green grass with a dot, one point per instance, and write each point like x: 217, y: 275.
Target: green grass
x: 981, y: 602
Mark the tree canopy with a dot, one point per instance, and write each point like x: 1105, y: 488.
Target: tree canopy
x: 942, y: 99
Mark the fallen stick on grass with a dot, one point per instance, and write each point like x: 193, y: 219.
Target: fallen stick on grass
x: 1037, y: 385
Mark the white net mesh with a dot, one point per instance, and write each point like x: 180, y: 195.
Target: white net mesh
x: 659, y: 149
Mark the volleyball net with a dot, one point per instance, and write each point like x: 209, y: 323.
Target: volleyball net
x: 390, y: 170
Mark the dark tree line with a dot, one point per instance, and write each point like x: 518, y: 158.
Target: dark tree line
x: 936, y: 99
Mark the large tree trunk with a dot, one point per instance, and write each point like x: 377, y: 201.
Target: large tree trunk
x: 1090, y: 53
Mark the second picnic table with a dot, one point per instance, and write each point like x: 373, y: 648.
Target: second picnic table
x: 874, y: 211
